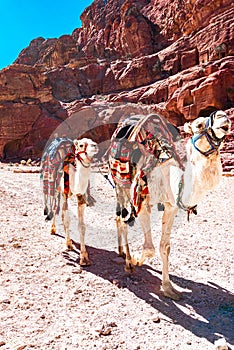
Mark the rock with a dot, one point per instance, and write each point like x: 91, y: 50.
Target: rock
x: 163, y: 54
x: 17, y: 245
x: 156, y: 319
x: 77, y: 271
x: 221, y: 344
x: 116, y: 282
x: 21, y: 347
x: 77, y: 291
x: 105, y: 331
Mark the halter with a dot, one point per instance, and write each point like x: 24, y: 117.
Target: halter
x: 81, y: 160
x: 212, y: 139
x: 214, y: 143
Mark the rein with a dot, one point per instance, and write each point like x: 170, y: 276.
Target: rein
x: 190, y: 210
x: 82, y: 161
x: 106, y: 177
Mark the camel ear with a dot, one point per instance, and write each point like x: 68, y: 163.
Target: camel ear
x: 75, y: 142
x: 188, y: 128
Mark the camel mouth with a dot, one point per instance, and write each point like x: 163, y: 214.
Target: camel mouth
x: 225, y: 128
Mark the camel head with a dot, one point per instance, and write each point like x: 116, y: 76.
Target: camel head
x: 208, y: 133
x: 85, y: 149
x: 220, y: 124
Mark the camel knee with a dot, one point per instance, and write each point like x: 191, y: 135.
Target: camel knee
x: 165, y: 249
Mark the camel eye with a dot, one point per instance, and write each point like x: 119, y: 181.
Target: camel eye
x: 199, y: 126
x: 81, y: 146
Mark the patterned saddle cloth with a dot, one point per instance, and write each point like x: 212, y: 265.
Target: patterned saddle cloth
x: 52, y: 170
x: 123, y: 153
x: 148, y: 136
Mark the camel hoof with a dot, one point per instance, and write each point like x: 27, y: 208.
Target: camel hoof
x: 85, y: 262
x: 129, y: 267
x: 172, y: 293
x: 84, y: 259
x: 136, y: 261
x: 139, y: 260
x: 69, y: 244
x: 53, y: 230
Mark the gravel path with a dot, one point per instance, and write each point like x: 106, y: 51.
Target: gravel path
x: 48, y: 302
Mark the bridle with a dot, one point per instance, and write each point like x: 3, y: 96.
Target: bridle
x: 214, y: 143
x: 212, y: 139
x: 81, y: 160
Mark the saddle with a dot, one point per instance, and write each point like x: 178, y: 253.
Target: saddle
x: 51, y: 172
x: 149, y: 137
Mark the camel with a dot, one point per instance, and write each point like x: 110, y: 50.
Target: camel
x: 75, y: 182
x: 159, y: 175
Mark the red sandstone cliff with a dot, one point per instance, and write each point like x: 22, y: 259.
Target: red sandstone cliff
x: 173, y: 55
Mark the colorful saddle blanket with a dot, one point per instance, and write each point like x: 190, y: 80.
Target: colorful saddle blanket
x: 52, y: 170
x: 123, y: 152
x: 149, y: 136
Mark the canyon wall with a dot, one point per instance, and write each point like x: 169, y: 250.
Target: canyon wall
x: 174, y: 56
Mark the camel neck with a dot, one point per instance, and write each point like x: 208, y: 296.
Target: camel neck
x: 201, y: 175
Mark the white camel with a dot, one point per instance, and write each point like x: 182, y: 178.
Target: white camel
x: 75, y: 182
x: 169, y: 183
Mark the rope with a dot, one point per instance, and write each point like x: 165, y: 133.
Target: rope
x: 106, y: 177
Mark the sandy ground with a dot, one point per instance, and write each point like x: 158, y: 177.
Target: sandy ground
x: 48, y: 302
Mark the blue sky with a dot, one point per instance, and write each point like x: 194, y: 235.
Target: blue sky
x: 23, y: 21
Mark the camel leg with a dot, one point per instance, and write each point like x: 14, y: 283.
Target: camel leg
x: 167, y: 221
x: 119, y: 231
x: 120, y: 238
x: 124, y: 251
x: 53, y: 226
x: 46, y: 210
x: 148, y: 247
x: 66, y: 224
x: 123, y: 196
x: 84, y: 258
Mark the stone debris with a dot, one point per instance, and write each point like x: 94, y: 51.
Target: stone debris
x: 221, y: 344
x: 107, y: 328
x: 102, y: 306
x: 156, y: 319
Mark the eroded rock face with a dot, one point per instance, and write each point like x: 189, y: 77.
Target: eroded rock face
x: 176, y: 56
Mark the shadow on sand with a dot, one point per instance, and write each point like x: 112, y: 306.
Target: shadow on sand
x: 210, y: 308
